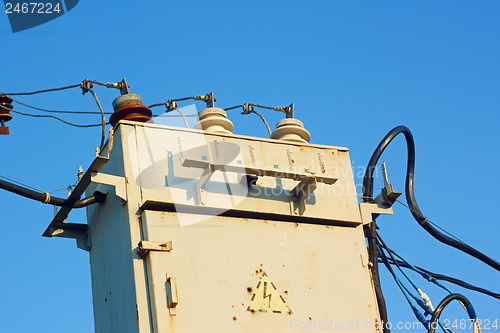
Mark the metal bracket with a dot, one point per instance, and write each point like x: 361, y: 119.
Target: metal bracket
x: 172, y: 297
x: 147, y: 246
x: 59, y: 228
x: 116, y: 181
x: 210, y: 165
x: 387, y: 196
x: 382, y: 204
x: 299, y: 194
x: 370, y: 211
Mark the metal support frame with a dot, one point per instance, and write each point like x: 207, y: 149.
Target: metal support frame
x: 79, y: 231
x: 308, y: 181
x: 299, y: 194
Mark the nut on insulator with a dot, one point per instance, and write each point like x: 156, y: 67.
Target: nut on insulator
x: 291, y: 129
x: 129, y: 107
x: 6, y: 103
x: 214, y: 119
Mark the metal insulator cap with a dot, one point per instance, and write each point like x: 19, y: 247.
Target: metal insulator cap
x: 291, y: 129
x: 5, y: 102
x: 214, y: 120
x: 129, y: 107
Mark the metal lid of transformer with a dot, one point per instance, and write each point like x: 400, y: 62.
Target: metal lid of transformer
x: 213, y: 119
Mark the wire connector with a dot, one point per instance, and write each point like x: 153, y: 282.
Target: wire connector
x: 247, y: 108
x: 208, y: 98
x: 86, y: 85
x: 171, y: 105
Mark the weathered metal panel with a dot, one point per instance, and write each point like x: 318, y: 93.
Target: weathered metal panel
x: 320, y: 272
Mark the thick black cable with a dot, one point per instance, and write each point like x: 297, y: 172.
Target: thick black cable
x: 43, y: 91
x: 410, y: 196
x: 371, y: 234
x: 46, y: 198
x: 437, y: 312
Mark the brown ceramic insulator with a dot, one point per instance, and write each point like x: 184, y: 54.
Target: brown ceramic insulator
x: 132, y: 112
x: 5, y: 116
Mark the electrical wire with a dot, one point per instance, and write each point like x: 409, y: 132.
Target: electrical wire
x: 82, y: 125
x: 403, y: 289
x: 46, y: 198
x: 437, y: 226
x: 58, y: 111
x: 171, y: 100
x: 233, y: 107
x: 263, y: 119
x: 463, y: 300
x: 410, y: 195
x: 21, y: 184
x: 103, y: 118
x: 50, y: 116
x: 447, y: 278
x: 43, y: 91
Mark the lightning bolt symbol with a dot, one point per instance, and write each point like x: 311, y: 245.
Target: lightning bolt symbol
x: 266, y: 296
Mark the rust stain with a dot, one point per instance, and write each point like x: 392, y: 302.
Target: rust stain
x: 296, y: 224
x: 234, y: 318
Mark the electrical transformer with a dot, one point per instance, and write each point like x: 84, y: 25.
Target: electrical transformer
x: 203, y: 230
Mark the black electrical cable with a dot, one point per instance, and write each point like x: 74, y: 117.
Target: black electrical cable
x: 50, y: 116
x: 447, y: 278
x: 437, y: 312
x: 410, y: 196
x: 171, y: 100
x: 58, y: 111
x: 46, y: 198
x: 371, y: 234
x: 42, y: 91
x: 233, y: 107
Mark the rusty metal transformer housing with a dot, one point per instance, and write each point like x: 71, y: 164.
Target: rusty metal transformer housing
x: 184, y: 243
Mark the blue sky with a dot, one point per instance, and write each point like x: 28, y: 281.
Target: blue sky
x: 354, y: 69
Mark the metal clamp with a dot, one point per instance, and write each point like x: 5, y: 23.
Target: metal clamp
x: 147, y: 246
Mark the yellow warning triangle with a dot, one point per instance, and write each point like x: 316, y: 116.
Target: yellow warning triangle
x: 267, y: 299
